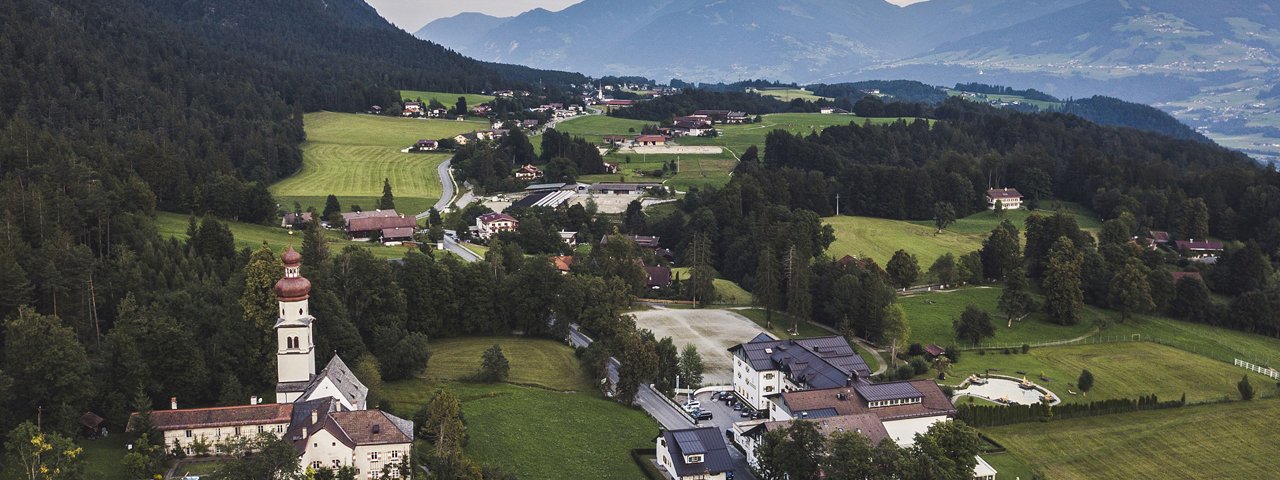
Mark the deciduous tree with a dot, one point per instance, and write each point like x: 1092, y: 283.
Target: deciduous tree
x: 903, y: 269
x: 1064, y: 297
x: 691, y: 366
x: 1130, y: 291
x: 1015, y: 301
x: 973, y: 325
x: 493, y: 365
x: 1085, y: 382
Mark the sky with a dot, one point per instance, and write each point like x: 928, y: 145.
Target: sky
x: 413, y: 14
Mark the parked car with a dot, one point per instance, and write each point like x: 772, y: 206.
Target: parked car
x: 737, y: 406
x: 692, y: 406
x: 716, y: 395
x: 747, y: 413
x: 702, y: 415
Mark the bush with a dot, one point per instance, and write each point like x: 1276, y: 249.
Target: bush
x: 942, y: 376
x: 919, y: 365
x: 952, y: 354
x: 1006, y: 351
x: 915, y: 350
x: 1026, y: 348
x: 905, y: 372
x: 982, y: 353
x: 948, y: 390
x: 1246, y: 390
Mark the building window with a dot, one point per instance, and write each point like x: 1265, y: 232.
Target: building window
x: 237, y: 431
x: 315, y: 464
x: 395, y: 454
x: 261, y: 428
x: 188, y: 433
x: 768, y: 388
x: 373, y: 455
x: 768, y: 376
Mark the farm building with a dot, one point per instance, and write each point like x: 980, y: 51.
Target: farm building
x: 1199, y: 249
x: 650, y: 140
x: 1008, y: 198
x: 621, y: 188
x: 657, y: 277
x: 377, y: 224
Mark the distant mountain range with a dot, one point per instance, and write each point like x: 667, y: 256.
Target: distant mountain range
x: 1206, y: 62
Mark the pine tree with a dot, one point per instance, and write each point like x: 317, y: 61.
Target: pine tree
x: 1064, y: 297
x: 701, y: 276
x: 388, y: 201
x: 799, y: 299
x: 259, y: 307
x: 767, y: 291
x: 331, y: 206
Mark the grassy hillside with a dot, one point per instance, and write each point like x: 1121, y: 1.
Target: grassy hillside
x: 349, y: 155
x: 727, y: 292
x: 251, y: 236
x: 930, y: 314
x: 790, y: 94
x: 1120, y: 370
x: 445, y: 98
x: 1232, y: 440
x: 540, y: 431
x: 879, y: 238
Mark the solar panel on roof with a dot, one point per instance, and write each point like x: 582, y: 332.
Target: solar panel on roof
x: 887, y: 391
x: 689, y: 442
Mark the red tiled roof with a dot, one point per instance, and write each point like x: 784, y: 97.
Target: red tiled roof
x: 1181, y: 275
x: 1159, y: 236
x: 496, y: 217
x: 867, y: 424
x: 1003, y: 193
x: 563, y: 263
x: 933, y: 403
x: 370, y: 224
x: 397, y: 232
x: 651, y: 138
x: 266, y: 413
x: 934, y: 350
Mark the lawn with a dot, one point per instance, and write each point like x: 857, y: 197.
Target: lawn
x: 930, y: 315
x: 790, y: 94
x: 103, y: 457
x: 727, y: 292
x: 738, y: 137
x: 446, y: 99
x: 538, y: 431
x: 879, y: 238
x: 1214, y: 342
x: 349, y: 155
x: 985, y: 221
x: 251, y: 236
x: 545, y: 363
x: 1120, y: 370
x: 595, y: 127
x: 1231, y: 440
x: 693, y: 170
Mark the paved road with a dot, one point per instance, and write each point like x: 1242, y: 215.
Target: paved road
x: 447, y: 188
x: 466, y: 255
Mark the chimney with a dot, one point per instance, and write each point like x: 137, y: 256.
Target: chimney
x: 304, y: 432
x: 173, y: 403
x: 253, y: 400
x: 315, y: 416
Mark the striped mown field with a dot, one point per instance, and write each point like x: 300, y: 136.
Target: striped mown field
x: 349, y: 155
x: 1224, y: 440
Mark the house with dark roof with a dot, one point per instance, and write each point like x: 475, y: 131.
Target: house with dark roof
x: 294, y: 220
x: 657, y: 277
x: 1199, y: 249
x: 641, y: 241
x: 365, y: 439
x: 1008, y: 198
x: 695, y: 453
x: 765, y: 366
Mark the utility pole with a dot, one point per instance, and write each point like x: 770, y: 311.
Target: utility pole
x: 837, y: 204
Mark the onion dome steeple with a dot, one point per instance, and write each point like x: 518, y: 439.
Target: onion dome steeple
x: 293, y: 287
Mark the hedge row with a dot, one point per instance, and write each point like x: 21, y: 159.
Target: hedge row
x: 990, y: 416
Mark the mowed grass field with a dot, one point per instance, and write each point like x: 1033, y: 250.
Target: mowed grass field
x: 727, y: 292
x: 541, y: 362
x: 930, y: 314
x: 349, y: 155
x: 790, y: 94
x: 445, y: 98
x: 1231, y: 440
x: 251, y: 236
x: 879, y: 238
x: 538, y: 431
x: 1120, y: 370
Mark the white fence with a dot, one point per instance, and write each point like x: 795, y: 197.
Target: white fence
x: 1268, y: 371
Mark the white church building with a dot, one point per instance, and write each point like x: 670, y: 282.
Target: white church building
x: 323, y: 414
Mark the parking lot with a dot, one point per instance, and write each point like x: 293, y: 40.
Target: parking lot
x: 723, y: 418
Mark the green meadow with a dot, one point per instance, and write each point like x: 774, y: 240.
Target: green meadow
x: 546, y: 422
x: 349, y: 155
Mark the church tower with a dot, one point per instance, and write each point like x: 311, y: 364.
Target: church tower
x: 295, y: 345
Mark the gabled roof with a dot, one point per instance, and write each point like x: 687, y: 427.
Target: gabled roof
x: 849, y: 401
x: 650, y: 138
x: 397, y: 232
x: 1159, y: 236
x: 878, y: 392
x: 658, y: 276
x: 495, y: 217
x: 353, y: 391
x: 369, y: 224
x: 866, y: 424
x: 707, y: 442
x: 818, y: 362
x: 352, y: 428
x: 1003, y: 193
x: 189, y: 418
x: 1206, y: 245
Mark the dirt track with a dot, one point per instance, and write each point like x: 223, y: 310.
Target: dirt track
x: 712, y: 331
